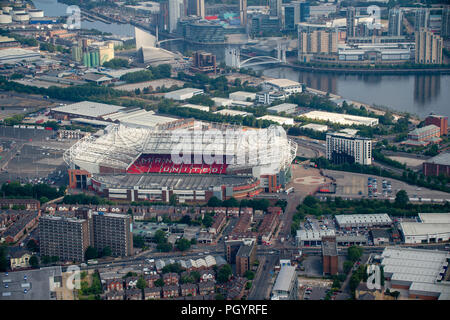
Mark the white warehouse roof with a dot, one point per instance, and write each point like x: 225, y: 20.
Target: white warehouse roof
x: 88, y: 109
x: 363, y: 218
x: 344, y: 119
x: 435, y: 217
x: 423, y: 229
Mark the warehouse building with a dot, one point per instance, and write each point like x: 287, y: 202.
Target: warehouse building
x: 284, y: 85
x: 287, y: 108
x: 435, y: 217
x: 363, y: 220
x: 315, y: 127
x: 279, y: 120
x: 422, y: 273
x: 343, y: 119
x: 183, y: 94
x: 424, y: 136
x: 242, y: 96
x: 230, y: 112
x: 418, y: 232
x: 195, y: 106
x: 84, y: 109
x: 286, y: 285
x: 437, y: 165
x: 14, y: 55
x: 309, y: 238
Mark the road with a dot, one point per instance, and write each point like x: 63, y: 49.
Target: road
x: 261, y: 283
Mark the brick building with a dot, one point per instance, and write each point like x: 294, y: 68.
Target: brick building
x: 329, y: 255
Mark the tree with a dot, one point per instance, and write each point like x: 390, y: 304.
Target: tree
x: 141, y: 283
x: 250, y: 275
x: 34, y: 262
x: 232, y: 202
x: 173, y: 200
x: 224, y: 274
x: 4, y: 264
x: 138, y: 241
x: 106, y: 252
x: 207, y: 221
x: 160, y: 236
x: 214, y: 202
x: 91, y: 253
x: 164, y: 247
x: 32, y: 245
x: 310, y: 201
x: 159, y: 283
x: 347, y: 266
x: 354, y: 253
x: 183, y: 244
x: 401, y: 199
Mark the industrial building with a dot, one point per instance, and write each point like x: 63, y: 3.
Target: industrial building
x: 242, y: 96
x: 14, y: 55
x: 286, y: 285
x: 287, y: 108
x: 343, y: 119
x: 306, y: 238
x: 425, y: 232
x: 284, y: 85
x: 435, y: 217
x: 315, y: 127
x: 195, y: 106
x: 230, y: 112
x: 363, y: 220
x: 345, y: 148
x: 437, y: 165
x: 268, y: 96
x: 422, y: 273
x: 330, y: 257
x: 84, y: 109
x: 279, y: 120
x: 183, y: 94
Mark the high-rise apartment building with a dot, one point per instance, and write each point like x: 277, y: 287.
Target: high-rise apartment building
x: 114, y: 231
x: 176, y: 9
x: 351, y: 27
x: 243, y: 12
x: 445, y: 22
x: 422, y: 19
x: 395, y: 22
x: 275, y: 8
x: 63, y: 237
x: 428, y: 47
x: 316, y: 40
x: 196, y: 8
x: 345, y: 148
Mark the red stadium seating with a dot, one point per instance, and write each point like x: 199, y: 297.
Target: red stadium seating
x: 163, y: 164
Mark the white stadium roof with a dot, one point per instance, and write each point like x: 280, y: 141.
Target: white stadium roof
x: 88, y: 109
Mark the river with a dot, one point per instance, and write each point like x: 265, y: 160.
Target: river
x: 52, y: 8
x: 416, y: 94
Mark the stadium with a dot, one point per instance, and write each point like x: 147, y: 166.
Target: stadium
x: 193, y: 163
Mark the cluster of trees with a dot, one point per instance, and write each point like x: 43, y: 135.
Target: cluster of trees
x: 4, y: 263
x: 358, y: 275
x: 94, y: 290
x: 82, y: 198
x: 152, y: 73
x: 161, y: 240
x: 256, y: 204
x: 116, y: 63
x: 42, y: 191
x: 313, y: 134
x: 224, y: 274
x: 92, y: 253
x: 91, y: 91
x: 50, y: 47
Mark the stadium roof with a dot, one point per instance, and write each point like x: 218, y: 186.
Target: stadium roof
x: 88, y: 109
x: 179, y: 181
x: 139, y: 118
x: 121, y: 145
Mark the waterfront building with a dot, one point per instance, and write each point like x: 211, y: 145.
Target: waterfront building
x: 421, y: 19
x: 445, y: 22
x: 428, y: 47
x: 351, y: 12
x: 196, y: 8
x: 316, y: 41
